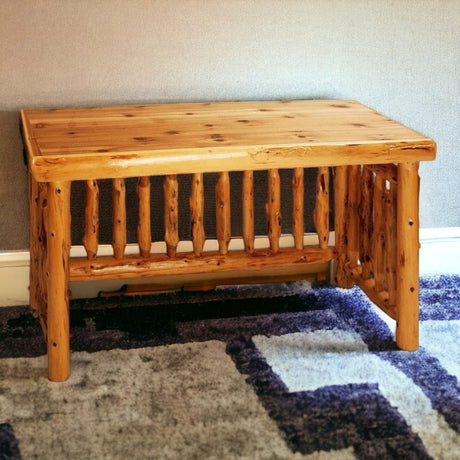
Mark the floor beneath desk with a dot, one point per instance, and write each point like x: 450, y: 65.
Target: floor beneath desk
x: 223, y: 373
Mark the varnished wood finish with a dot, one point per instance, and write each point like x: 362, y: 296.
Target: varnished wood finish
x: 391, y: 241
x: 273, y: 209
x: 387, y: 172
x: 88, y: 143
x: 321, y: 212
x: 197, y: 214
x: 144, y: 234
x: 248, y: 211
x: 378, y: 237
x: 135, y: 266
x: 379, y: 298
x: 119, y: 217
x: 91, y: 236
x: 375, y: 164
x: 340, y: 212
x: 407, y: 293
x: 297, y: 207
x: 352, y: 214
x: 38, y: 251
x: 223, y: 212
x: 171, y: 213
x: 366, y: 222
x: 58, y: 237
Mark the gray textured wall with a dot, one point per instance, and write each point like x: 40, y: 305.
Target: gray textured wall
x: 399, y: 57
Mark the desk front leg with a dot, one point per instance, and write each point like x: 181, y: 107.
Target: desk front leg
x: 407, y: 290
x: 58, y: 240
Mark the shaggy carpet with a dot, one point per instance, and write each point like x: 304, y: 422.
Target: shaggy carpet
x: 285, y: 371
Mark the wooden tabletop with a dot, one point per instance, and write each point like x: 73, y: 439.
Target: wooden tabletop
x: 105, y: 142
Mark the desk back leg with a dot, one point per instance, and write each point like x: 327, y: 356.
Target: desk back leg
x: 407, y: 291
x: 58, y: 238
x: 38, y: 251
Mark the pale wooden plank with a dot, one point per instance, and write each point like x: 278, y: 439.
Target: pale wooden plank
x: 71, y: 144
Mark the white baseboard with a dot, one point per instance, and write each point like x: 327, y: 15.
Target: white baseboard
x: 440, y: 253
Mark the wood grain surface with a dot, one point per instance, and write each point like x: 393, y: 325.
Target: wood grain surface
x: 127, y: 141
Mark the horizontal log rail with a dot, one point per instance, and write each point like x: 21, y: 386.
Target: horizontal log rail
x: 189, y: 263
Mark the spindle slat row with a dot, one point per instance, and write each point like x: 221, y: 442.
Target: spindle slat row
x: 366, y: 230
x: 223, y: 213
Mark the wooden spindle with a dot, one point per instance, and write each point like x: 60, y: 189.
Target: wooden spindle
x: 273, y: 209
x: 223, y: 212
x: 171, y: 213
x: 248, y: 211
x: 365, y: 214
x: 144, y: 235
x: 378, y: 241
x: 119, y: 217
x: 321, y: 212
x: 342, y: 278
x: 390, y: 238
x: 354, y: 182
x: 407, y: 291
x: 91, y: 236
x: 197, y: 213
x: 297, y: 207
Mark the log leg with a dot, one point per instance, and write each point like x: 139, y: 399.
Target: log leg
x: 342, y: 278
x: 58, y: 237
x: 38, y: 251
x: 407, y: 291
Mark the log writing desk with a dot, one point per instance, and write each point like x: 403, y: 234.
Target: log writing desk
x: 371, y: 159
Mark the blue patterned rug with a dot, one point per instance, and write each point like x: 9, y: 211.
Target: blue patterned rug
x: 283, y: 371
